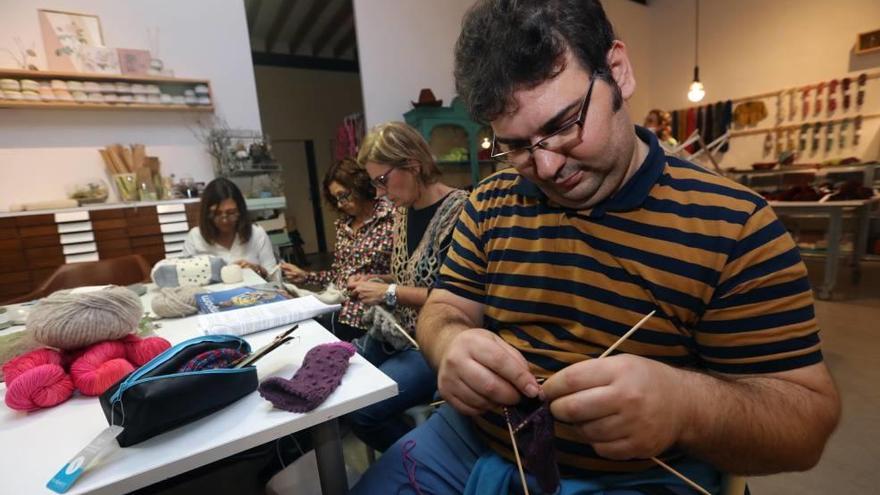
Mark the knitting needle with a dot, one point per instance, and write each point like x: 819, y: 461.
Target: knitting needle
x: 627, y: 334
x: 522, y: 474
x: 655, y: 459
x: 397, y: 326
x: 280, y: 339
x: 680, y: 476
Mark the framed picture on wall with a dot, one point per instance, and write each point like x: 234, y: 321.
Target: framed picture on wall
x: 134, y: 62
x: 68, y: 37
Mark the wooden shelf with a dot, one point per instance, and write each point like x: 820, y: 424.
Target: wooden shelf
x: 84, y: 76
x: 48, y: 105
x: 171, y: 85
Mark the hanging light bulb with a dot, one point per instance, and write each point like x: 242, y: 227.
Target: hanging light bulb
x: 695, y: 90
x: 486, y: 144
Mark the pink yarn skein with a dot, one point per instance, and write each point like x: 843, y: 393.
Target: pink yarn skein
x: 36, y: 380
x: 99, y: 367
x: 140, y: 351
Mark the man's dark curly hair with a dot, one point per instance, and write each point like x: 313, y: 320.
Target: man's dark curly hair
x: 509, y: 45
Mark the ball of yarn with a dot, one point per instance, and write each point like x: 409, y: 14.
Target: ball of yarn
x: 20, y: 364
x: 99, y: 367
x: 231, y: 274
x: 43, y: 386
x: 173, y: 302
x: 139, y: 351
x: 71, y: 321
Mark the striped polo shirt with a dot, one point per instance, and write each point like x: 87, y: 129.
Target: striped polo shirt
x: 559, y: 285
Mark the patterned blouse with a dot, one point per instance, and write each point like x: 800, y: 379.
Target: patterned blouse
x: 367, y: 250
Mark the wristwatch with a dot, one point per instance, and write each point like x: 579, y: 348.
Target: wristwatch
x: 391, y: 295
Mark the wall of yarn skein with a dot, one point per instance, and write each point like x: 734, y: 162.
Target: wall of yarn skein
x: 754, y: 47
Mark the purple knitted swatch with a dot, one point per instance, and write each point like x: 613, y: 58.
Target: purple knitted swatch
x: 533, y: 429
x: 320, y: 374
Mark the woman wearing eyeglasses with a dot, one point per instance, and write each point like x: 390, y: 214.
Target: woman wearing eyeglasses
x: 401, y: 168
x: 225, y: 230
x: 363, y: 242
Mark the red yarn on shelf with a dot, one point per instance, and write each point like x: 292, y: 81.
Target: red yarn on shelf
x: 140, y: 351
x: 45, y: 385
x: 29, y: 360
x: 99, y: 367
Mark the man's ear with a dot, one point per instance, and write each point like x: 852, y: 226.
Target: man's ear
x: 621, y: 69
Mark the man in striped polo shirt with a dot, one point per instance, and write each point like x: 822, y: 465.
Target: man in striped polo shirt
x: 556, y: 257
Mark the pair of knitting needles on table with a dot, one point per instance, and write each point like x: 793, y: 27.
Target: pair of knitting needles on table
x: 608, y: 351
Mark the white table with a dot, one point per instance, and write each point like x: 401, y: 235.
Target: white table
x: 834, y: 211
x: 36, y: 445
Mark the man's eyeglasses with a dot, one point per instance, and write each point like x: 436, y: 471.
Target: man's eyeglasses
x: 342, y: 198
x: 381, y: 181
x: 558, y: 141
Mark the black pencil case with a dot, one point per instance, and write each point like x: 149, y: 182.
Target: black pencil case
x: 157, y: 397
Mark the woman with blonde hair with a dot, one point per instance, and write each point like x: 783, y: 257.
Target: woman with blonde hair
x: 401, y: 168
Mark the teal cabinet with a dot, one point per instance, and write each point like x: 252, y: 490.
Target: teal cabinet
x: 455, y: 139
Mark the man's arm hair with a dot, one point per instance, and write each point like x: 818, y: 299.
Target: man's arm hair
x: 444, y: 316
x: 761, y: 424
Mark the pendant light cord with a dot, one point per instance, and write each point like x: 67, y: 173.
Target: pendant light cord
x: 697, y: 34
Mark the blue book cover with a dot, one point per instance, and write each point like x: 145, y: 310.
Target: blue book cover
x: 241, y: 297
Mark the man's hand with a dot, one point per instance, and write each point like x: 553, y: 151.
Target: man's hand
x: 479, y: 371
x: 371, y: 293
x: 293, y: 273
x: 357, y: 278
x: 626, y: 406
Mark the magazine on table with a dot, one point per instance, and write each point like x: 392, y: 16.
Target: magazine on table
x: 240, y: 297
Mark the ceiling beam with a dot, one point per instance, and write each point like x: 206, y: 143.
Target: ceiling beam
x: 315, y: 11
x: 342, y: 16
x: 253, y: 11
x: 301, y: 62
x: 279, y: 22
x: 344, y: 43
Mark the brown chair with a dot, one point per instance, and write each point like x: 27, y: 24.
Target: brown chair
x: 125, y: 270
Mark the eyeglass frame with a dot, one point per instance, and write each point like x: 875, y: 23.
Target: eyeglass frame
x: 381, y: 181
x: 343, y: 198
x: 579, y: 121
x: 225, y: 215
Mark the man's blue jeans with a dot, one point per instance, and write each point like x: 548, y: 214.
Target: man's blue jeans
x: 381, y: 424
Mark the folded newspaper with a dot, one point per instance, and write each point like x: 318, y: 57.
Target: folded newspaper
x: 263, y: 317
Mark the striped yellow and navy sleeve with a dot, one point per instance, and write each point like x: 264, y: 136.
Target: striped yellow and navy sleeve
x: 464, y: 271
x: 760, y: 318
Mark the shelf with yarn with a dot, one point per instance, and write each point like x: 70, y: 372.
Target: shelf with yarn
x: 53, y: 90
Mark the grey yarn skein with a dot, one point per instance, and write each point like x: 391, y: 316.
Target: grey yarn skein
x: 71, y: 321
x: 172, y: 302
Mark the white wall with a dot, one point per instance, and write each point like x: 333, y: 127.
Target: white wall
x: 404, y: 46
x: 746, y: 47
x: 407, y: 45
x: 750, y: 47
x: 314, y: 105
x: 43, y: 152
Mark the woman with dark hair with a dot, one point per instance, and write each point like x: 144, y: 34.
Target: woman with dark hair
x: 363, y: 242
x: 225, y: 230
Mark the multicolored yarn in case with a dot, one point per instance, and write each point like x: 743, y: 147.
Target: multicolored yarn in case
x: 322, y: 371
x: 217, y: 358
